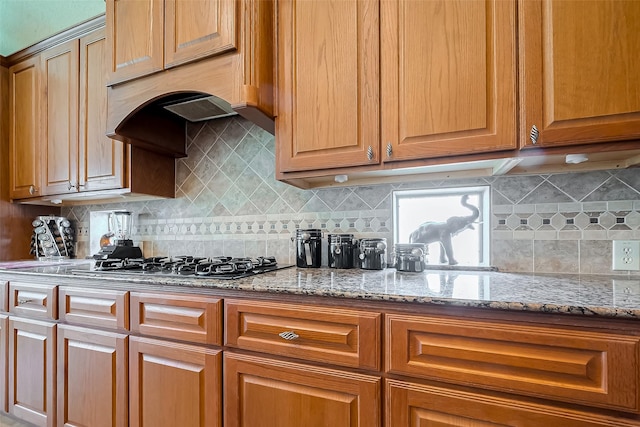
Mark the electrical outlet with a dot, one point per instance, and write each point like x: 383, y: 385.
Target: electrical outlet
x: 626, y: 255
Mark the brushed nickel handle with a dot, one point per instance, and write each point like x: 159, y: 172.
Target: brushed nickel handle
x: 534, y: 134
x: 24, y: 301
x: 370, y: 153
x: 32, y: 190
x: 389, y: 149
x: 69, y: 186
x: 289, y: 335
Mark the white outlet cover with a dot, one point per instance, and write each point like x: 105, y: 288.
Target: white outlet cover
x: 626, y: 255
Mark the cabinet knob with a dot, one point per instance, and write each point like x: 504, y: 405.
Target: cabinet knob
x: 289, y: 335
x: 370, y: 153
x: 389, y: 149
x: 534, y: 134
x: 32, y: 190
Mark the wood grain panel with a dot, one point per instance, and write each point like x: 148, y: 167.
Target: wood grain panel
x: 60, y: 118
x: 24, y: 128
x: 32, y: 372
x: 198, y: 28
x: 100, y: 159
x: 270, y: 393
x: 336, y: 336
x: 33, y: 300
x: 135, y: 32
x: 328, y: 74
x: 174, y: 384
x: 180, y: 317
x: 416, y: 405
x: 92, y: 378
x: 90, y: 307
x: 579, y: 71
x: 448, y: 77
x: 575, y: 366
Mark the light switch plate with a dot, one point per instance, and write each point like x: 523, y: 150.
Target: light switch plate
x: 626, y: 255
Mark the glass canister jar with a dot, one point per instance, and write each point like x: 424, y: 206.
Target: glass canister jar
x: 373, y: 254
x: 309, y: 248
x: 410, y: 256
x: 341, y: 250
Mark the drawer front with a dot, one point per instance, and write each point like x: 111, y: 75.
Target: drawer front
x: 33, y: 300
x: 4, y: 296
x: 336, y: 336
x: 90, y: 307
x: 569, y: 365
x: 180, y: 317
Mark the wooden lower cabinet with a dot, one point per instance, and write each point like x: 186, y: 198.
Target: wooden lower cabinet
x: 418, y: 405
x: 32, y: 371
x: 261, y: 392
x: 92, y: 378
x: 4, y: 342
x: 173, y: 384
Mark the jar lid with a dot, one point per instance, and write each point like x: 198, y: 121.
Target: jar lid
x: 308, y: 232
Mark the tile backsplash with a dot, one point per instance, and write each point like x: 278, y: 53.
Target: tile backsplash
x: 228, y: 202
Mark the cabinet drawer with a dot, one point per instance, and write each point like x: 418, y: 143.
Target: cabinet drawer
x: 33, y: 300
x: 179, y: 317
x: 324, y: 334
x: 89, y: 307
x: 578, y: 366
x: 411, y: 404
x: 4, y: 295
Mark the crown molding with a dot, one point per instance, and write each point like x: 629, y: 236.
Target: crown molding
x: 61, y: 37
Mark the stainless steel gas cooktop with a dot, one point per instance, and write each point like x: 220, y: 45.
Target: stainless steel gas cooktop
x: 216, y: 267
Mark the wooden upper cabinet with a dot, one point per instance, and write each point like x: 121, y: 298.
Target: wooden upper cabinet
x: 135, y: 34
x: 24, y: 128
x: 448, y: 77
x: 197, y: 28
x: 60, y: 118
x: 328, y: 79
x: 100, y: 159
x: 579, y: 68
x: 146, y: 36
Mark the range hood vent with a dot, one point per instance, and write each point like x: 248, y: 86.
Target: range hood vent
x: 201, y: 108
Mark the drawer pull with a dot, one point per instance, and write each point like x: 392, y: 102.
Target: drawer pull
x: 289, y: 335
x: 24, y: 301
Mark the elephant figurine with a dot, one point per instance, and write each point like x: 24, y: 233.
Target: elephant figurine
x: 431, y: 231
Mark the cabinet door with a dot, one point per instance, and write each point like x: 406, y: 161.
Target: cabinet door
x: 328, y: 78
x: 173, y: 384
x: 60, y: 118
x: 24, y: 128
x: 409, y: 405
x: 4, y: 365
x: 134, y: 38
x: 92, y: 378
x: 32, y: 371
x: 579, y: 71
x: 198, y: 28
x: 269, y: 393
x: 101, y: 159
x: 448, y: 77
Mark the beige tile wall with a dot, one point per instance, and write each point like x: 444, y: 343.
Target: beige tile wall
x: 229, y: 203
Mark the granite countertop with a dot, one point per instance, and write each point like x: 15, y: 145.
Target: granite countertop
x: 587, y: 295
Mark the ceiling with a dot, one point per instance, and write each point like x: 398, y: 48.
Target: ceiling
x: 25, y: 22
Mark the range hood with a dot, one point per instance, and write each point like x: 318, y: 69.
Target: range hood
x: 200, y: 108
x: 152, y: 112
